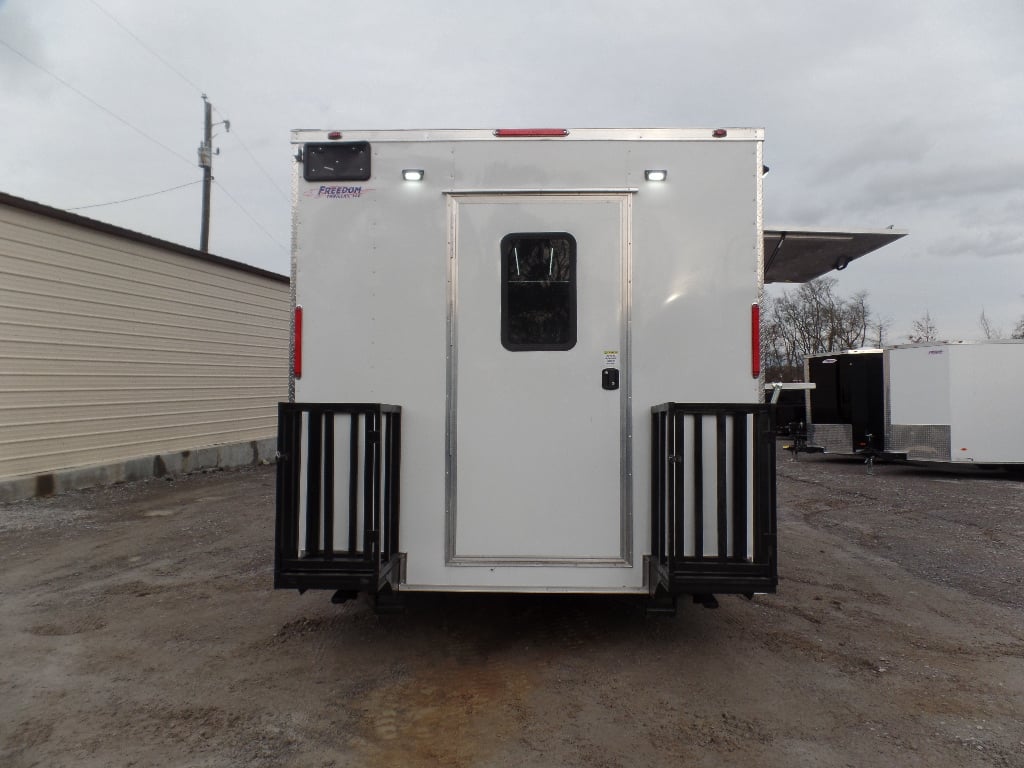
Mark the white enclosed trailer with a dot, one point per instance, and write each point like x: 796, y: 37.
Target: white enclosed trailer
x: 547, y: 340
x: 956, y: 402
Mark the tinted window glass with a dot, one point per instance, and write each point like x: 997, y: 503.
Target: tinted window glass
x: 338, y: 161
x: 538, y: 291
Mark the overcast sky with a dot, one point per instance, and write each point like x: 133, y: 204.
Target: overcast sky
x: 876, y: 112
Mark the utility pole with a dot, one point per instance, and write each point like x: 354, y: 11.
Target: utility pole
x: 206, y: 153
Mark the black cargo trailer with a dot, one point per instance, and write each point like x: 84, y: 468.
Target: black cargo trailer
x: 846, y: 408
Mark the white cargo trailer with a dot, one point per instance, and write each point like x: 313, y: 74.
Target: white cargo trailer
x: 548, y: 341
x: 956, y: 402
x: 938, y: 402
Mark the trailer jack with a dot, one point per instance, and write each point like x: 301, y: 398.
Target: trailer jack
x: 870, y: 454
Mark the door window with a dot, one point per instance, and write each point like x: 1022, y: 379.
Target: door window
x: 538, y: 291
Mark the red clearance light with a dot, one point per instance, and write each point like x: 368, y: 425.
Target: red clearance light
x: 297, y: 355
x: 504, y: 132
x: 334, y: 135
x: 755, y: 340
x: 720, y: 133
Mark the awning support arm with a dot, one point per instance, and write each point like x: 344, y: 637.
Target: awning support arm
x: 775, y: 252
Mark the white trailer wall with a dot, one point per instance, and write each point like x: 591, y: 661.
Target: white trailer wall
x: 692, y: 248
x: 116, y: 347
x: 957, y: 402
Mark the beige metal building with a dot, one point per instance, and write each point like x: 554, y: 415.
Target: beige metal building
x: 123, y: 356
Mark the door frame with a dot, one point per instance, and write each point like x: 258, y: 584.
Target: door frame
x: 454, y: 202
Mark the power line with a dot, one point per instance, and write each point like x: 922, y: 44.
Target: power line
x: 257, y: 163
x: 137, y: 197
x: 177, y: 72
x: 138, y: 40
x: 270, y: 178
x: 95, y: 103
x: 250, y: 216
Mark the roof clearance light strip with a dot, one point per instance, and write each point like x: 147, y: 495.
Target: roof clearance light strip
x: 530, y: 132
x: 755, y: 340
x: 297, y: 358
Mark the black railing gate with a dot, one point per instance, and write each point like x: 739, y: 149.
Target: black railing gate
x: 713, y: 526
x: 338, y: 496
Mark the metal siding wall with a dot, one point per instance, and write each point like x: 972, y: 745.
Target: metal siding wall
x: 111, y: 349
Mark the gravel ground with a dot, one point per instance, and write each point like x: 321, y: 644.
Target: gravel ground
x: 139, y: 629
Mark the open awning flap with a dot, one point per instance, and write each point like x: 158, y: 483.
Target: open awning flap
x: 797, y: 254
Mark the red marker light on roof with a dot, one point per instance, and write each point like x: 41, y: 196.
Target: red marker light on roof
x: 720, y: 133
x: 506, y: 132
x: 334, y: 135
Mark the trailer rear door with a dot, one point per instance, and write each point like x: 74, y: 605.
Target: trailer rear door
x: 538, y: 380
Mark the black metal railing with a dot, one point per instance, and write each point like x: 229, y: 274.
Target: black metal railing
x: 713, y: 523
x: 338, y: 496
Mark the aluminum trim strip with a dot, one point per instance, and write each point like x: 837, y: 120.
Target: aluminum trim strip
x: 293, y: 275
x: 596, y: 562
x: 886, y: 403
x: 759, y: 176
x: 451, y: 384
x: 527, y: 590
x: 626, y: 395
x: 303, y: 135
x: 625, y: 558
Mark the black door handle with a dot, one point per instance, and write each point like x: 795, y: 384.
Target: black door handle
x: 610, y: 378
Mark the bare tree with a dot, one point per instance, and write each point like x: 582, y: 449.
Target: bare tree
x: 990, y: 331
x: 923, y: 329
x: 1018, y: 330
x: 809, y: 320
x: 880, y: 327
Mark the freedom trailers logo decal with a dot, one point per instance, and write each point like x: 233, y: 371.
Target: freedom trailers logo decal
x: 337, y: 192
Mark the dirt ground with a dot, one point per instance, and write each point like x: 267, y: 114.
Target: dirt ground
x: 138, y: 628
